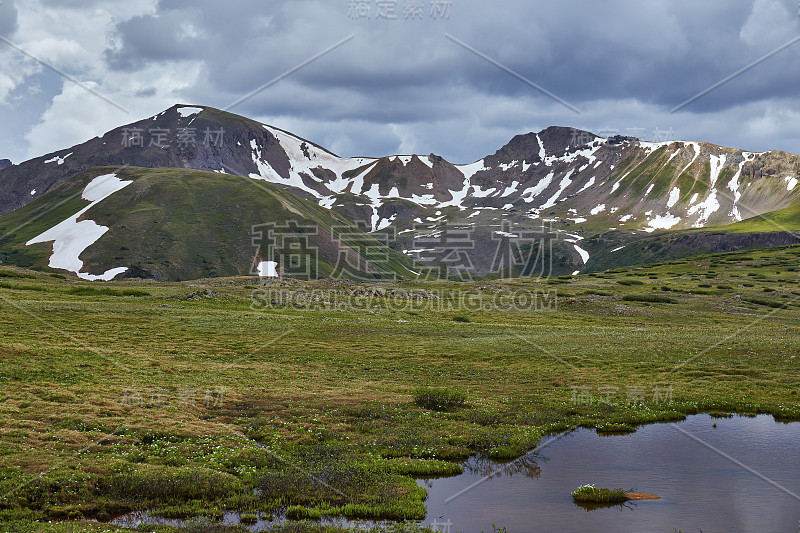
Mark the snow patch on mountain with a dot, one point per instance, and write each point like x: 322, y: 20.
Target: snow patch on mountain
x: 650, y: 147
x: 662, y: 222
x: 676, y: 152
x: 706, y: 208
x: 717, y: 162
x: 587, y: 153
x: 733, y: 186
x: 531, y: 192
x: 598, y: 209
x: 265, y: 171
x: 478, y: 192
x: 583, y: 253
x: 674, y: 196
x: 588, y: 184
x: 510, y: 189
x: 189, y: 111
x: 59, y: 160
x: 304, y: 158
x: 72, y: 237
x: 565, y: 181
x: 696, y: 147
x: 471, y: 169
x: 268, y: 269
x: 542, y: 151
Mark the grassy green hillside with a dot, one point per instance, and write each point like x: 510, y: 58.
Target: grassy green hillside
x: 787, y: 219
x: 134, y: 395
x: 614, y: 249
x: 173, y: 224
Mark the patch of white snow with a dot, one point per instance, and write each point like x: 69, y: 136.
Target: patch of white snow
x: 70, y: 237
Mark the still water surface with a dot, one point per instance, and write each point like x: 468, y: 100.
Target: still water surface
x: 701, y: 488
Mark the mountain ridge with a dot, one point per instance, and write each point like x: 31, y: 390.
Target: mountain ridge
x: 578, y: 183
x: 517, y: 175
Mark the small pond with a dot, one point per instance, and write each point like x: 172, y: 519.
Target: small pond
x: 702, y: 487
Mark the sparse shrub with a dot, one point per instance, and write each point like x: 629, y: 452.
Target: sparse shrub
x: 134, y: 292
x: 298, y: 512
x: 768, y: 303
x: 597, y: 293
x: 371, y: 411
x: 422, y: 467
x: 105, y: 291
x: 484, y: 418
x: 173, y: 485
x: 652, y: 298
x: 22, y: 287
x: 439, y: 399
x: 248, y: 518
x: 630, y: 282
x: 17, y: 275
x: 590, y: 494
x: 461, y: 318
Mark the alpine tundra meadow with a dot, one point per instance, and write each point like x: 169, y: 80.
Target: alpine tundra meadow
x: 399, y: 266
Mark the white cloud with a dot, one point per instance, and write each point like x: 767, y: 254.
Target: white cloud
x: 68, y: 54
x: 76, y: 115
x: 769, y: 25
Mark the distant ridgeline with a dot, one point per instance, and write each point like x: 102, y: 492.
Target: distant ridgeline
x: 556, y: 202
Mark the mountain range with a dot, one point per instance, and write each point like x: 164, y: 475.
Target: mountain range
x: 200, y: 181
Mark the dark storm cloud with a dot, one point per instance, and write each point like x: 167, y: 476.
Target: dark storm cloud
x: 655, y: 52
x: 402, y: 84
x: 169, y: 36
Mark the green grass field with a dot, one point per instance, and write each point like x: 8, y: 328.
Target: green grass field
x: 192, y: 398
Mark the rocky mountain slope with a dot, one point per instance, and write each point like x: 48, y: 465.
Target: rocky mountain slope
x: 543, y: 194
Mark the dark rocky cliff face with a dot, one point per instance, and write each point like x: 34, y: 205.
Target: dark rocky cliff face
x: 5, y: 163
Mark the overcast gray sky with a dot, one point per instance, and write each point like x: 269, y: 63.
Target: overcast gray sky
x: 400, y: 85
